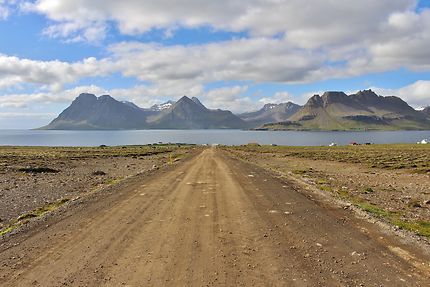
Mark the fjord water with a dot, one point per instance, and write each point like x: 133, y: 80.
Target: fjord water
x: 226, y: 137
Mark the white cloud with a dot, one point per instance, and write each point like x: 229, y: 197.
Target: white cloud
x: 278, y: 97
x: 45, y: 98
x: 15, y: 71
x: 306, y: 23
x: 4, y: 12
x: 416, y: 94
x: 363, y: 36
x: 73, y: 32
x: 291, y: 41
x: 229, y: 98
x: 44, y: 116
x: 257, y: 59
x: 5, y: 8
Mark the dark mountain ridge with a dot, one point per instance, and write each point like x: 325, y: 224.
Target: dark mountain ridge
x: 90, y: 112
x: 364, y: 110
x: 189, y: 113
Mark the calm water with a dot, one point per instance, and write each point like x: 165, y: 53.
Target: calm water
x: 228, y: 137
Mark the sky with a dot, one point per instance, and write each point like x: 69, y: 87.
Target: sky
x: 236, y: 54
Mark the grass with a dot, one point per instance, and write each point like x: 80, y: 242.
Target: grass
x: 419, y: 227
x: 29, y: 154
x: 8, y: 229
x: 39, y: 212
x: 375, y: 210
x: 413, y: 157
x: 114, y: 181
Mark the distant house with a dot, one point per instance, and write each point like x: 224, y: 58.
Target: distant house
x: 424, y: 141
x: 333, y: 144
x: 354, y: 143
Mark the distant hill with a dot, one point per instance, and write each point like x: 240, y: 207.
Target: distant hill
x: 192, y: 114
x: 270, y: 113
x: 364, y: 110
x: 90, y: 112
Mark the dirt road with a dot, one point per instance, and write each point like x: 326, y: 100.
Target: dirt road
x: 210, y: 221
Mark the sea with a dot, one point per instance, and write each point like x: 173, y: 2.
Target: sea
x: 210, y: 137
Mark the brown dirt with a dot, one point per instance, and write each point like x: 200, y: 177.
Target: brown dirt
x: 32, y: 178
x: 211, y: 220
x: 402, y: 192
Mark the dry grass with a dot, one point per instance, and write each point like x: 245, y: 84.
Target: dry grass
x: 407, y: 156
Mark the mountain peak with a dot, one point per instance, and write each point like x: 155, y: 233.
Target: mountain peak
x: 315, y: 101
x: 197, y: 101
x: 184, y: 99
x: 368, y: 93
x: 368, y: 96
x: 187, y: 102
x: 269, y: 106
x: 334, y: 97
x: 106, y: 98
x: 86, y: 97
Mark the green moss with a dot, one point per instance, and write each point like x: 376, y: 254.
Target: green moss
x: 8, y: 229
x: 343, y: 193
x: 39, y: 212
x: 325, y: 188
x: 375, y: 210
x: 114, y: 181
x: 322, y: 182
x: 419, y: 227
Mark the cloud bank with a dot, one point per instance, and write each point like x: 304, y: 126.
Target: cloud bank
x: 281, y: 41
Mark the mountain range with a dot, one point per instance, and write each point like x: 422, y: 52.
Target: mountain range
x: 89, y: 112
x: 364, y: 110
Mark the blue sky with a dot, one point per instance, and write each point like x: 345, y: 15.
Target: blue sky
x: 234, y: 55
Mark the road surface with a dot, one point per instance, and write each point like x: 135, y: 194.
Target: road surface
x: 211, y: 220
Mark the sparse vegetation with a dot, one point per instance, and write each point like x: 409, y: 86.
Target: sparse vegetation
x: 34, y: 176
x: 415, y: 158
x: 375, y: 186
x: 39, y: 212
x: 375, y: 210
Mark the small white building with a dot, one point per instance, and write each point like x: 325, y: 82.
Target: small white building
x: 424, y: 141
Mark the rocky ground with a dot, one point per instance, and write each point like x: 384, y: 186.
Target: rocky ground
x: 392, y: 182
x: 34, y: 180
x: 209, y: 220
